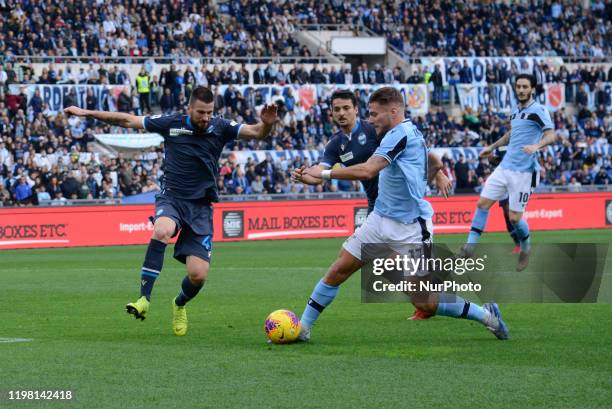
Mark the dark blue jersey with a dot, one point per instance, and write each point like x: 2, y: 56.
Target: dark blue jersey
x: 191, y: 161
x: 354, y: 149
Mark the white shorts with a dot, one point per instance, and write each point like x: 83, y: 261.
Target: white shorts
x: 382, y: 230
x: 515, y: 186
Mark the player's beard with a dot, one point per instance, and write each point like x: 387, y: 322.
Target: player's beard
x: 199, y: 127
x: 524, y: 100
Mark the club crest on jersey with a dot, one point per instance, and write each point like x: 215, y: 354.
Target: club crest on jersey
x: 361, y: 139
x: 180, y: 131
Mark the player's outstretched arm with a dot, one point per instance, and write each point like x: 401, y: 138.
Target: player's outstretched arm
x: 548, y: 138
x: 503, y: 141
x: 113, y: 118
x: 298, y: 175
x: 261, y: 129
x: 361, y: 171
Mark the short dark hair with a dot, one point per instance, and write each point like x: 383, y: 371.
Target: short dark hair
x: 386, y: 96
x: 201, y: 94
x: 532, y: 79
x: 344, y: 94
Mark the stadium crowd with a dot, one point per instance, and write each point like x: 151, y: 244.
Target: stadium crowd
x: 263, y: 28
x: 172, y: 87
x: 468, y: 28
x: 47, y: 156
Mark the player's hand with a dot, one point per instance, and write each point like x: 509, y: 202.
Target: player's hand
x: 530, y: 149
x: 268, y: 114
x: 486, y: 151
x: 296, y: 175
x: 443, y: 184
x: 314, y: 171
x: 72, y: 110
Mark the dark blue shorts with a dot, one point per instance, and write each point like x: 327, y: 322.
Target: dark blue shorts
x: 194, y: 220
x: 504, y: 202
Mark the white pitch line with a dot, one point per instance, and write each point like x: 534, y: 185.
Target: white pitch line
x: 14, y: 340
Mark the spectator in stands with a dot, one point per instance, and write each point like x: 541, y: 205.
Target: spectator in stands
x: 23, y: 192
x: 602, y: 177
x: 436, y: 80
x: 166, y: 103
x: 462, y: 175
x: 5, y: 196
x: 143, y: 87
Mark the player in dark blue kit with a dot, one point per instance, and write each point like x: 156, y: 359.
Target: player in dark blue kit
x: 193, y: 145
x: 355, y: 143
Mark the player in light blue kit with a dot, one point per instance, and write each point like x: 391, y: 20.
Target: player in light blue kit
x: 517, y: 175
x: 401, y: 214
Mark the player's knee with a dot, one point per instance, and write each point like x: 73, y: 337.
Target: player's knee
x: 198, y: 275
x: 484, y: 203
x: 514, y: 217
x: 163, y: 232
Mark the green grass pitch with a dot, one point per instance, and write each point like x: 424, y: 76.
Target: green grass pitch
x: 70, y: 302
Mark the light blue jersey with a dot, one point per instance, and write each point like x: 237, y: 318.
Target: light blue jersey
x: 528, y: 126
x: 402, y: 184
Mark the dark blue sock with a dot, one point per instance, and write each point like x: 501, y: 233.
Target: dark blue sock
x: 510, y: 228
x: 188, y: 291
x: 152, y: 266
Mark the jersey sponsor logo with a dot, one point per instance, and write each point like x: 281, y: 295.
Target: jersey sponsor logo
x: 180, y: 131
x: 361, y: 139
x: 346, y: 157
x: 233, y: 224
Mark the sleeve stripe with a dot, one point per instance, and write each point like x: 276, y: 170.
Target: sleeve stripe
x: 384, y: 156
x: 144, y: 123
x: 325, y: 164
x: 238, y: 132
x: 399, y: 147
x: 535, y: 118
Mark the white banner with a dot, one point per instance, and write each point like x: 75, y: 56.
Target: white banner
x: 478, y: 65
x: 415, y: 95
x: 55, y: 95
x: 130, y: 140
x: 501, y: 98
x: 267, y: 94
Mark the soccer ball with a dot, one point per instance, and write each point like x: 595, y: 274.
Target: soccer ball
x: 282, y: 326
